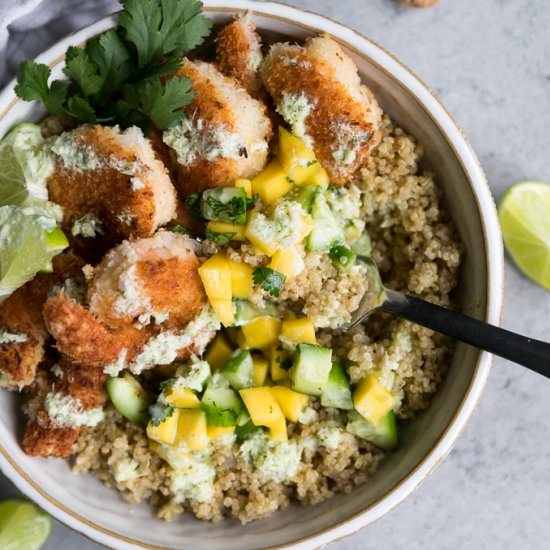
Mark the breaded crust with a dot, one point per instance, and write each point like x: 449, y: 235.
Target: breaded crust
x: 21, y: 313
x: 158, y: 276
x: 130, y: 192
x: 239, y: 53
x: 44, y: 438
x: 227, y: 131
x: 84, y: 339
x: 344, y: 119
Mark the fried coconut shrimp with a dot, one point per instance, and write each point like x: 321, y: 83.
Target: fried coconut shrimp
x: 146, y: 308
x: 109, y: 182
x: 317, y: 90
x: 63, y: 402
x: 23, y: 335
x: 239, y: 53
x: 148, y: 279
x: 223, y: 136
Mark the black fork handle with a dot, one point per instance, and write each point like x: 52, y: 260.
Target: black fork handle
x: 530, y: 353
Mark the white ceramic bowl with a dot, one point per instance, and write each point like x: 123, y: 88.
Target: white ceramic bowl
x: 85, y: 505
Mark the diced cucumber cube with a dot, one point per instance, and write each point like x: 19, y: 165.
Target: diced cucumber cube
x: 129, y: 398
x: 226, y: 204
x: 238, y: 370
x: 326, y: 229
x: 311, y: 368
x: 363, y: 245
x: 220, y: 403
x: 337, y: 392
x: 342, y: 256
x: 244, y: 312
x: 305, y: 195
x: 383, y: 435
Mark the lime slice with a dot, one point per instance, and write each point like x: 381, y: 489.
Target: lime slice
x: 524, y: 213
x: 28, y: 241
x: 23, y: 526
x: 25, y: 164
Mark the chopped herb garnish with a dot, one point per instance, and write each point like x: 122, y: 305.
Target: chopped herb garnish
x: 251, y: 202
x: 221, y: 239
x: 311, y: 163
x: 270, y: 280
x: 178, y: 228
x: 225, y: 204
x: 116, y: 77
x: 246, y: 431
x: 160, y: 412
x: 193, y: 203
x: 342, y: 256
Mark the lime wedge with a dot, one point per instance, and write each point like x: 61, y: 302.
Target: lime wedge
x: 23, y: 526
x: 524, y: 213
x: 28, y: 242
x: 25, y: 164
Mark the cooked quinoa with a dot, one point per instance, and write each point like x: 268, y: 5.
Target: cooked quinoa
x: 417, y: 250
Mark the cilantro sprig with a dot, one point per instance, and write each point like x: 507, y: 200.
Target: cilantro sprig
x: 116, y: 78
x: 270, y: 280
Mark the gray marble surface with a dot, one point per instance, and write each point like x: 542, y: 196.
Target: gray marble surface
x: 490, y: 63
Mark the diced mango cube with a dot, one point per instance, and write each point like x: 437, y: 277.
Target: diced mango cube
x: 260, y: 367
x: 295, y: 156
x: 291, y: 402
x: 166, y: 431
x: 216, y: 432
x: 261, y: 333
x: 278, y: 432
x: 241, y: 279
x: 182, y: 398
x: 300, y: 331
x: 317, y: 176
x: 215, y: 275
x: 261, y: 406
x: 218, y: 352
x: 271, y: 183
x: 192, y: 429
x: 276, y: 357
x: 372, y: 400
x: 246, y: 185
x: 224, y: 311
x: 289, y: 262
x: 224, y: 227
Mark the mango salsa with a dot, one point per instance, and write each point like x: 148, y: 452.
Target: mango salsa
x: 260, y: 367
x: 261, y: 406
x: 289, y: 262
x: 246, y: 185
x: 218, y: 352
x: 182, y: 398
x: 261, y: 333
x: 295, y: 156
x: 241, y: 279
x: 278, y: 432
x: 192, y: 429
x: 166, y: 431
x: 271, y: 183
x: 215, y: 275
x: 216, y: 432
x: 300, y: 331
x: 224, y: 227
x: 372, y: 400
x: 291, y: 402
x: 276, y: 357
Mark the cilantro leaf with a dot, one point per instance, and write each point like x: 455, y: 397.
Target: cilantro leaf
x: 160, y: 27
x: 193, y: 203
x: 82, y: 71
x: 160, y: 412
x: 162, y: 102
x: 112, y: 58
x: 80, y: 108
x: 178, y: 228
x: 270, y: 280
x: 246, y: 431
x: 33, y: 85
x: 221, y: 239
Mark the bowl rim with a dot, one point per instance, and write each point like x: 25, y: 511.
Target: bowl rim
x: 432, y: 106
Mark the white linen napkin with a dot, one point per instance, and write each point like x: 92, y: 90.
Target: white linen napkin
x: 27, y: 27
